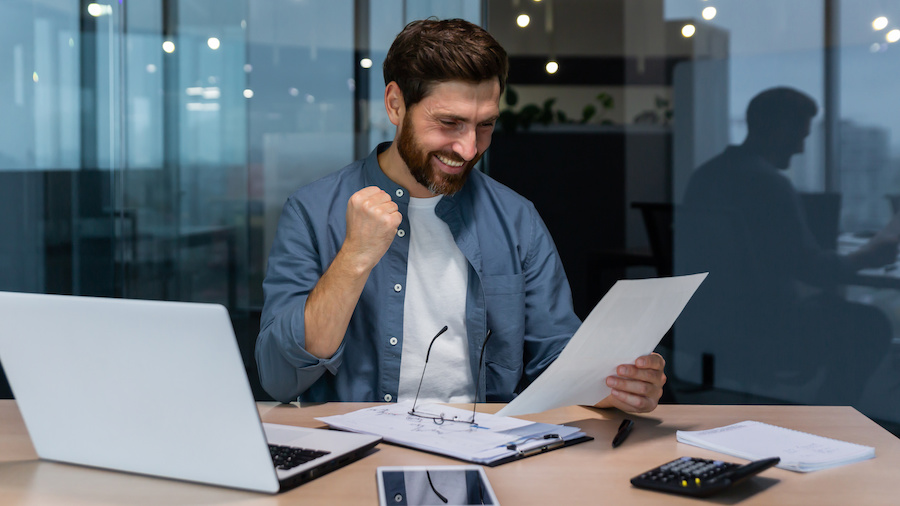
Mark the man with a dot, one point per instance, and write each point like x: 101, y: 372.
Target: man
x: 778, y: 322
x: 370, y: 262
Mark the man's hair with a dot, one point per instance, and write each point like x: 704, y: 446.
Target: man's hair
x: 778, y: 107
x: 432, y: 51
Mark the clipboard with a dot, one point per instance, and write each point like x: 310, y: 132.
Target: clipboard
x: 539, y: 449
x: 492, y: 441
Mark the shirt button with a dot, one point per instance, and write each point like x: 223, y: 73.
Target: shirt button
x: 401, y: 232
x: 398, y: 287
x: 393, y: 341
x: 399, y: 192
x: 388, y: 397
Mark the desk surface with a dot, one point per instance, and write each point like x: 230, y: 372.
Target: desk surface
x: 589, y: 473
x: 876, y: 277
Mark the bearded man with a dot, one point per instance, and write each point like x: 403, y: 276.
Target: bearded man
x: 371, y: 262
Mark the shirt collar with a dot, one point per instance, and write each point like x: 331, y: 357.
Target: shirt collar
x: 374, y: 176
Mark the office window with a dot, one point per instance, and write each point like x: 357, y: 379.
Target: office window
x: 147, y: 148
x: 793, y: 325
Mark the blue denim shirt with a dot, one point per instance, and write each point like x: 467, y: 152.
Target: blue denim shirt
x: 516, y: 287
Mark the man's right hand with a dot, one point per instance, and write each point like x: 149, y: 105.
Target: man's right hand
x: 372, y: 222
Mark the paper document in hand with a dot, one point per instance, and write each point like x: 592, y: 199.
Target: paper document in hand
x: 628, y: 322
x: 799, y: 451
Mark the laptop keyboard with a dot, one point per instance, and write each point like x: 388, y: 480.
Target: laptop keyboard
x: 287, y: 457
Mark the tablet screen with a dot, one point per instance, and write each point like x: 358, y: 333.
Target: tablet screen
x: 438, y: 485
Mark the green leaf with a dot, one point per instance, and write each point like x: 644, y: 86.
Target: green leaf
x: 512, y: 98
x: 588, y: 112
x: 606, y: 100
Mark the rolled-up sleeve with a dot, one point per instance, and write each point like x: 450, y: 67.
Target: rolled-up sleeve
x: 286, y: 369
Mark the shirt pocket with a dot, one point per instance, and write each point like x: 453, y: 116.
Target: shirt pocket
x: 504, y: 297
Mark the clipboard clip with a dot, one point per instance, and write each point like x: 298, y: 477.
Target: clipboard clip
x: 539, y: 446
x: 540, y: 449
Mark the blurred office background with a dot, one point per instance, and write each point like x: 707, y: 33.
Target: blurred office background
x: 147, y: 146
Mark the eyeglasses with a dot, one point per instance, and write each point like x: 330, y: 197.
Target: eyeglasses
x: 441, y: 418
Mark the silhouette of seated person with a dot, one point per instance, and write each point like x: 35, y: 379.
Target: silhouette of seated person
x: 777, y: 325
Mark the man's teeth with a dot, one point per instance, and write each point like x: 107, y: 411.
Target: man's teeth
x: 449, y: 162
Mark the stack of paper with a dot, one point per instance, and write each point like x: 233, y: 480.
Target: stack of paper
x: 799, y: 451
x: 484, y: 442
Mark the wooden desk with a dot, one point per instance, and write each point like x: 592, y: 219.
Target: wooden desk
x: 589, y: 473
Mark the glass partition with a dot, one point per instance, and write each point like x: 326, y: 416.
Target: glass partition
x: 800, y: 305
x: 147, y: 148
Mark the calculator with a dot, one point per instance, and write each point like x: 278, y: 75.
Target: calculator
x: 699, y: 477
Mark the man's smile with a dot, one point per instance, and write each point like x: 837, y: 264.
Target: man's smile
x: 453, y: 166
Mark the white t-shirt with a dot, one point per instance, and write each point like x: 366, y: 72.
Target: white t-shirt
x: 436, y: 282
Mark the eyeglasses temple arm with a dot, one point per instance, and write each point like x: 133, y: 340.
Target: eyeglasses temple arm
x: 478, y: 379
x: 427, y: 354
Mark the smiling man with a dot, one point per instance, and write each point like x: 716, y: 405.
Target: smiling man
x: 370, y: 263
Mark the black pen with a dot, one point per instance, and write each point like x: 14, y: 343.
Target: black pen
x: 624, y: 431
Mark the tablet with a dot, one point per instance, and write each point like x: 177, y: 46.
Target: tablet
x: 437, y: 485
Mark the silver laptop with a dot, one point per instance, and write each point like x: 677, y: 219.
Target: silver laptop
x: 156, y: 388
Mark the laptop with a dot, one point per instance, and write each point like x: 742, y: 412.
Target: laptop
x: 150, y: 387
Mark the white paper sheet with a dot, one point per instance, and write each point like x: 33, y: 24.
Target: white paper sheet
x: 484, y: 442
x: 628, y: 322
x: 799, y: 451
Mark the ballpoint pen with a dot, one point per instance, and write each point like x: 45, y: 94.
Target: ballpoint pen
x: 624, y: 430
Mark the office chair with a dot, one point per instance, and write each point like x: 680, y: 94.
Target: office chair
x: 823, y: 217
x: 657, y: 219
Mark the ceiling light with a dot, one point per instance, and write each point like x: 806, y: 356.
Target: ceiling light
x: 688, y: 30
x: 523, y: 20
x: 98, y: 10
x: 893, y: 36
x: 880, y: 23
x: 168, y: 46
x: 708, y: 13
x: 552, y: 67
x: 213, y: 43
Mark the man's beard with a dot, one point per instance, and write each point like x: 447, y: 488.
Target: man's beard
x: 420, y: 165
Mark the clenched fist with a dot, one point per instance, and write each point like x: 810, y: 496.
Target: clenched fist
x: 372, y: 222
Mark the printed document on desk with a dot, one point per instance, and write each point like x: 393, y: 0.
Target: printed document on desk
x: 628, y: 322
x: 799, y: 451
x: 484, y: 442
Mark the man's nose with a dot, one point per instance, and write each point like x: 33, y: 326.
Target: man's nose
x: 467, y: 145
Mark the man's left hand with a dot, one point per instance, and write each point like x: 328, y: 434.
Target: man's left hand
x: 637, y: 387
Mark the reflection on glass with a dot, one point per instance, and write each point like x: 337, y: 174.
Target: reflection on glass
x: 744, y: 223
x: 434, y: 487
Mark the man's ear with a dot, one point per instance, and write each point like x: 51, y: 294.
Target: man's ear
x: 393, y: 103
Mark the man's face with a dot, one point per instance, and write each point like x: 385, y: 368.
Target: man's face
x: 446, y: 133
